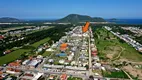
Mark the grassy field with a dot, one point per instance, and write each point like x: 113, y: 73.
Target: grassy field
x: 13, y: 28
x: 74, y: 78
x: 33, y: 31
x: 16, y: 54
x: 30, y: 32
x: 107, y: 43
x: 118, y: 74
x: 46, y: 53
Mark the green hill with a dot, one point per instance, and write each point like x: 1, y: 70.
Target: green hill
x: 74, y: 18
x: 8, y: 19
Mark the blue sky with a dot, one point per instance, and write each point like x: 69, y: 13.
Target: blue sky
x: 53, y: 9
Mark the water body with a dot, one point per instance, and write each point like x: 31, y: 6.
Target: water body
x: 126, y: 21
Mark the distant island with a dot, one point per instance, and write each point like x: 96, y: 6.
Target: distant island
x: 10, y: 20
x: 113, y: 19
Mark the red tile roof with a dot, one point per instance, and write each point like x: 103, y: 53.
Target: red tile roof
x: 1, y: 77
x: 1, y: 72
x: 63, y: 76
x: 14, y: 64
x: 1, y: 37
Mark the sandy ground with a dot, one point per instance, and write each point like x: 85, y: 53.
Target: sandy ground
x: 113, y: 51
x: 128, y: 61
x: 110, y: 56
x: 133, y: 71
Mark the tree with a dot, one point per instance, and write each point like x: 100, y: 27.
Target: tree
x: 91, y: 77
x: 87, y: 67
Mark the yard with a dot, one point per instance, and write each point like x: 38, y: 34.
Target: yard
x: 46, y: 53
x: 74, y: 78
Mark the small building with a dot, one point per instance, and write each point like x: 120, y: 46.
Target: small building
x: 63, y: 77
x: 39, y: 57
x: 33, y: 63
x: 70, y: 57
x: 66, y: 63
x: 7, y: 52
x: 75, y: 68
x: 92, y: 40
x: 1, y: 77
x: 1, y: 37
x: 53, y: 66
x: 73, y: 63
x: 139, y: 48
x: 14, y: 64
x: 92, y: 45
x: 61, y: 61
x: 51, y: 77
x: 39, y: 50
x: 31, y: 76
x: 50, y: 49
x: 94, y: 54
x: 55, y: 45
x: 50, y: 60
x: 26, y: 62
x: 62, y: 54
x: 97, y: 65
x: 103, y: 68
x: 96, y: 58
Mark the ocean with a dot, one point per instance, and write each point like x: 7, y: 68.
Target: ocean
x: 126, y: 21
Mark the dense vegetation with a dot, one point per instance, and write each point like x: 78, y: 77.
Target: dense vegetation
x: 74, y: 78
x: 35, y: 39
x: 5, y: 26
x: 118, y: 74
x: 53, y: 33
x: 139, y: 39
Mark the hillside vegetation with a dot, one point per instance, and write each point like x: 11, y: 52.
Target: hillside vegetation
x: 75, y: 18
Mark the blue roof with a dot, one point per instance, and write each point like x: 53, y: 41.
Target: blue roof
x: 62, y: 54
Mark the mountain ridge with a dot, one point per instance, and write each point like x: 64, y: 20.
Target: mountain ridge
x: 71, y: 18
x: 74, y: 18
x: 9, y: 19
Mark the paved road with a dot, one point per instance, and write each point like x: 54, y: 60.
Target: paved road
x: 127, y: 74
x: 49, y: 72
x: 74, y: 74
x: 45, y: 60
x: 90, y: 58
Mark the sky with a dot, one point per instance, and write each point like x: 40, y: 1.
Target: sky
x: 54, y: 9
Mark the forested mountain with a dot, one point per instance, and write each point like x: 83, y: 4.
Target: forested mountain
x: 74, y: 18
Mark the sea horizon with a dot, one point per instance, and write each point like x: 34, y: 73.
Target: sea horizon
x: 125, y: 21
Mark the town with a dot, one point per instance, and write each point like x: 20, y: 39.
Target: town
x: 70, y: 40
x: 74, y: 56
